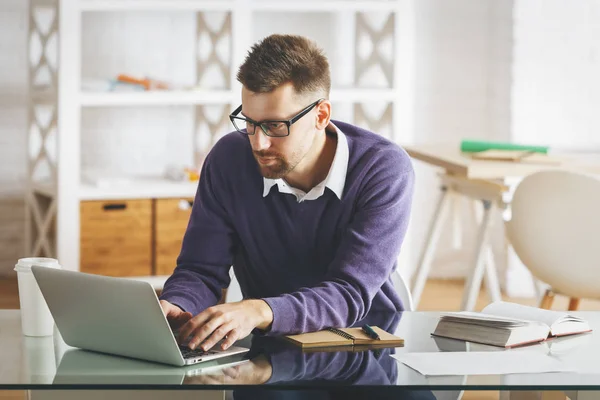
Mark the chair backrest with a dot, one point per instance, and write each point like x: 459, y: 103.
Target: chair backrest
x: 554, y: 226
x: 403, y: 291
x: 234, y: 293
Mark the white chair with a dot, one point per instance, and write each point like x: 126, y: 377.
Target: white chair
x: 233, y: 293
x: 403, y: 291
x: 555, y: 219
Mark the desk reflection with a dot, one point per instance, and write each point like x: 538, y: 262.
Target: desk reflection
x: 348, y: 373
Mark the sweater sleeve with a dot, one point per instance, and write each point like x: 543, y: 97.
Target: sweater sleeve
x: 364, y: 260
x: 207, y: 249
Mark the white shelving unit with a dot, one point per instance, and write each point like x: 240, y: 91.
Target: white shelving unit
x: 362, y: 36
x: 155, y: 98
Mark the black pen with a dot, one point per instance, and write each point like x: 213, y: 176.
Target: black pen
x: 370, y: 332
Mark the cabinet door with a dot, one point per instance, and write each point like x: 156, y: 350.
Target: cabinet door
x: 116, y: 237
x: 172, y: 216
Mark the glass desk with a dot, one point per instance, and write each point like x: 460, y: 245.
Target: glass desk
x: 275, y: 366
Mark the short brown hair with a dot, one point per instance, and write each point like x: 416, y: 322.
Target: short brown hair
x: 279, y: 59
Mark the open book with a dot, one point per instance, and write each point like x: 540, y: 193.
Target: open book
x: 508, y: 325
x: 344, y: 337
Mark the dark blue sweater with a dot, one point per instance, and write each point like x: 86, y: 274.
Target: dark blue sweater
x: 318, y: 263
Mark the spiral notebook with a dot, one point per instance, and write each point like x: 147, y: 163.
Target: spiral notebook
x: 345, y: 337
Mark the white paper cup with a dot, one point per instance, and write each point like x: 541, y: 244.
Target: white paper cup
x: 36, y: 319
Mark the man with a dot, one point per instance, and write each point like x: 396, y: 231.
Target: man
x: 310, y: 213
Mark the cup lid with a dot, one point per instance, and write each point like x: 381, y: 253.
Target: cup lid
x: 25, y: 264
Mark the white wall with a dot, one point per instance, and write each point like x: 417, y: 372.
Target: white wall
x: 556, y: 85
x: 556, y: 90
x: 462, y: 90
x: 13, y: 125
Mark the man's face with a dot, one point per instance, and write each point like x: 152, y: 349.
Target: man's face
x: 277, y: 156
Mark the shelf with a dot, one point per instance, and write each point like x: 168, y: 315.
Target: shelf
x: 157, y: 98
x: 172, y: 98
x: 173, y: 5
x: 144, y: 188
x: 139, y: 189
x: 258, y: 5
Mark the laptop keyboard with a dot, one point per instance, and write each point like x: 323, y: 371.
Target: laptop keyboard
x: 186, y: 352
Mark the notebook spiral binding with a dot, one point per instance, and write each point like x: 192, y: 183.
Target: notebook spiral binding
x: 341, y: 333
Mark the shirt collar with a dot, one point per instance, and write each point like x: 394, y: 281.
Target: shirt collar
x: 336, y: 178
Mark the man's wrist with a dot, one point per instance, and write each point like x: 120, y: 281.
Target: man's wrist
x: 264, y: 312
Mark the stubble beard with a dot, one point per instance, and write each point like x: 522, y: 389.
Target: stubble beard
x: 280, y: 166
x: 277, y: 168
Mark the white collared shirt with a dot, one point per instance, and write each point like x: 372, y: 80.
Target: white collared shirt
x: 335, y: 180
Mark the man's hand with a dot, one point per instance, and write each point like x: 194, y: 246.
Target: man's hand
x: 175, y: 315
x: 232, y: 321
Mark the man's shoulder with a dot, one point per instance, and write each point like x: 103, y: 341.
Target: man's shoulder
x: 371, y: 150
x: 231, y: 142
x: 231, y: 150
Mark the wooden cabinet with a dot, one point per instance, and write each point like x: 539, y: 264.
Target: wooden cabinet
x: 133, y: 237
x: 171, y: 219
x: 116, y: 237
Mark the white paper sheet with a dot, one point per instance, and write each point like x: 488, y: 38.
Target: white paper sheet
x: 481, y: 363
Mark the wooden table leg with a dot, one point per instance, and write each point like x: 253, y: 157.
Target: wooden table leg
x: 574, y: 303
x: 547, y: 300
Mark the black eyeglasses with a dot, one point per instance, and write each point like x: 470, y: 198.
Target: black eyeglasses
x: 272, y: 128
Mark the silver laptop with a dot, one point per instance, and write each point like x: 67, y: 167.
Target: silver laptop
x: 117, y: 316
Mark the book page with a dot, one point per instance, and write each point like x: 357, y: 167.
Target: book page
x: 513, y: 310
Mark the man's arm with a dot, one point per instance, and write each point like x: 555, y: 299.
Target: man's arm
x: 207, y: 250
x: 364, y: 260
